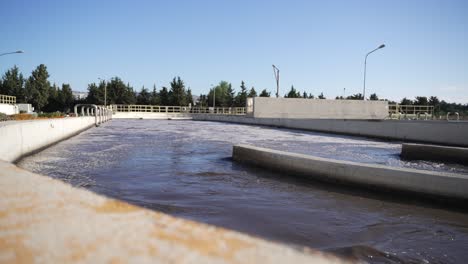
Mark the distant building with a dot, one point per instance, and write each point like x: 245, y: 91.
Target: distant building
x: 79, y: 95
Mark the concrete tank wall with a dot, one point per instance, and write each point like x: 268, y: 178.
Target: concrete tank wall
x: 19, y: 138
x: 437, y: 132
x: 430, y: 183
x: 9, y: 109
x: 268, y: 107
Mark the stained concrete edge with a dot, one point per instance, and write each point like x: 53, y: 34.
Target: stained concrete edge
x: 46, y: 220
x: 411, y: 151
x: 440, y: 184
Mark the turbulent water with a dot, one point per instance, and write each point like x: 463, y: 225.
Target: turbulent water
x: 184, y: 168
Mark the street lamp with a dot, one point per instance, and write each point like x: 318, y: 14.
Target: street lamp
x: 276, y: 72
x: 105, y: 91
x: 365, y: 66
x: 14, y: 52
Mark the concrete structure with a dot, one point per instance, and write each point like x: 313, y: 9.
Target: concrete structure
x: 19, y: 138
x: 434, y: 153
x: 434, y: 132
x: 298, y: 108
x: 43, y: 220
x: 9, y: 109
x: 79, y: 95
x: 432, y: 184
x: 25, y: 108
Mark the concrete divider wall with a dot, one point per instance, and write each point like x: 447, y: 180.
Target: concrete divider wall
x: 270, y: 107
x: 369, y: 175
x: 437, y: 132
x: 19, y: 138
x: 434, y: 153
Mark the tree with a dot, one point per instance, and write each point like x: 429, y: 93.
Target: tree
x: 202, y: 101
x: 421, y: 100
x: 12, y: 83
x: 374, y: 97
x: 406, y: 101
x: 94, y: 95
x: 189, y: 97
x: 252, y: 93
x: 177, y: 94
x: 434, y: 101
x: 241, y: 98
x: 53, y: 101
x: 304, y: 95
x: 357, y: 96
x: 164, y: 96
x: 154, y: 98
x: 264, y: 93
x: 143, y: 97
x: 230, y: 96
x: 38, y: 87
x: 223, y: 93
x: 118, y: 92
x: 293, y: 93
x: 321, y: 96
x: 66, y: 98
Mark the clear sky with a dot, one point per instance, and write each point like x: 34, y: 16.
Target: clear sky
x: 319, y: 46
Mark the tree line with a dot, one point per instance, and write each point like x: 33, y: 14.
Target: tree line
x: 44, y: 96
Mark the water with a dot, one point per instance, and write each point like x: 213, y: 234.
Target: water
x: 184, y: 168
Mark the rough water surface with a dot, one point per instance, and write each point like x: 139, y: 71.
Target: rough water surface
x: 184, y: 168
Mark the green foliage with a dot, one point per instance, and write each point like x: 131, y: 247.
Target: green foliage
x: 66, y: 98
x: 38, y: 87
x: 223, y: 95
x: 421, y: 100
x: 252, y: 93
x: 357, y: 96
x: 12, y: 83
x: 164, y: 96
x: 143, y: 97
x: 321, y: 96
x: 189, y: 97
x: 177, y: 94
x: 155, y: 99
x: 293, y: 93
x: 374, y: 97
x: 264, y: 93
x: 406, y: 101
x: 241, y: 98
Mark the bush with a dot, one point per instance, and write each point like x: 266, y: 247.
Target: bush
x: 4, y: 117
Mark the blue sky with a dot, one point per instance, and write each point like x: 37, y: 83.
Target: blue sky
x: 319, y: 46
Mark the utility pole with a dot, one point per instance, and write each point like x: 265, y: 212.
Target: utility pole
x: 277, y: 76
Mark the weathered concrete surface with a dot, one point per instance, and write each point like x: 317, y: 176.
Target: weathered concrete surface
x: 19, y: 138
x: 43, y: 220
x: 434, y: 153
x: 430, y: 183
x: 435, y: 132
x: 143, y: 115
x: 270, y: 107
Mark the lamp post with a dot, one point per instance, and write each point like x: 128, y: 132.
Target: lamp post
x: 276, y: 72
x: 365, y: 66
x: 14, y: 52
x: 105, y: 91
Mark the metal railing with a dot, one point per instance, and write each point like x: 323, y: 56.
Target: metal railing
x: 7, y: 99
x: 178, y: 109
x: 397, y: 111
